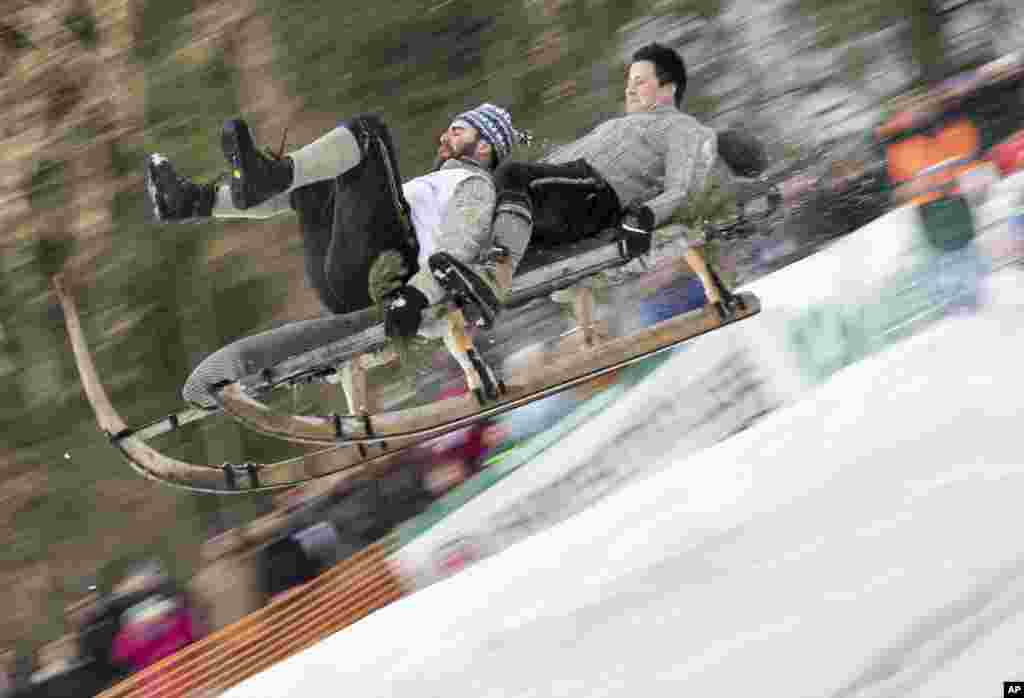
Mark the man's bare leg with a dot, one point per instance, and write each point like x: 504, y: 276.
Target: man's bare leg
x: 224, y: 207
x: 695, y: 259
x: 480, y: 379
x: 330, y: 155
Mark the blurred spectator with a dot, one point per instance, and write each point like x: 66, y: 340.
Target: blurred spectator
x: 101, y: 623
x: 528, y: 420
x: 1008, y: 155
x: 315, y: 528
x: 454, y: 458
x: 225, y: 586
x: 6, y: 673
x: 285, y: 564
x: 674, y: 296
x: 154, y: 628
x: 820, y: 206
x: 64, y: 673
x: 111, y: 627
x: 924, y: 166
x: 450, y: 460
x: 321, y: 542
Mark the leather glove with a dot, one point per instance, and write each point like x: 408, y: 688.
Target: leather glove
x: 387, y: 274
x: 637, y: 224
x: 403, y: 311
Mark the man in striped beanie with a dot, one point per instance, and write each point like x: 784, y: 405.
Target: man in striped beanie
x: 494, y: 124
x: 483, y: 278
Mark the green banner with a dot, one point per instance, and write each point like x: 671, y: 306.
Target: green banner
x: 828, y: 337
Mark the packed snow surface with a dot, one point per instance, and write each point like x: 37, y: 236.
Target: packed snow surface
x: 861, y: 541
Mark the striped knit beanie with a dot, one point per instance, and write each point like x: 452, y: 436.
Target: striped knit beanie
x: 495, y: 124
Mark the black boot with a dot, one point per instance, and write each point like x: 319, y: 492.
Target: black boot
x: 173, y: 198
x: 730, y: 303
x: 255, y: 177
x: 483, y: 286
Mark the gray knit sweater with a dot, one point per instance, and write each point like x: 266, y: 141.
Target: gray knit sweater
x: 660, y: 158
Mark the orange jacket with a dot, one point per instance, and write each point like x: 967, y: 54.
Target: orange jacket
x: 955, y: 144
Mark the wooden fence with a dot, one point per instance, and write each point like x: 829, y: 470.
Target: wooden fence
x: 296, y: 620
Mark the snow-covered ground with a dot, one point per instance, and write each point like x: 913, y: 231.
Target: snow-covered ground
x: 862, y: 541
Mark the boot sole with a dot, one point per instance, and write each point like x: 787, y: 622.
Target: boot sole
x: 453, y: 276
x: 156, y: 210
x: 156, y: 169
x: 235, y: 139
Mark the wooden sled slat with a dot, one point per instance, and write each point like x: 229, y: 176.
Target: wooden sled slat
x: 304, y: 348
x: 527, y: 384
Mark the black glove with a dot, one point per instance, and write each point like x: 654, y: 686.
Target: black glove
x: 637, y: 224
x: 403, y: 312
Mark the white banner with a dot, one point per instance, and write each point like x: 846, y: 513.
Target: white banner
x: 704, y: 394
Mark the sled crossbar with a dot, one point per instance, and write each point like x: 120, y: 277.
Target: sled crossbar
x: 166, y: 425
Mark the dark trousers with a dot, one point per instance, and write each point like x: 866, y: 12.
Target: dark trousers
x: 348, y: 221
x: 568, y: 202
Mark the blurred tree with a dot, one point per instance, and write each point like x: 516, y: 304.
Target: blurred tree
x: 12, y: 361
x: 924, y: 36
x: 82, y: 23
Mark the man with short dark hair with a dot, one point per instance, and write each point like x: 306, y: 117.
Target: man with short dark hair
x: 634, y: 171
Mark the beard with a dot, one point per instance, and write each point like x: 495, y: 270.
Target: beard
x: 639, y: 104
x: 446, y: 152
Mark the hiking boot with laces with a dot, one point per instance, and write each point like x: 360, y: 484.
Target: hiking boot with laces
x: 255, y: 176
x: 173, y: 198
x: 485, y: 285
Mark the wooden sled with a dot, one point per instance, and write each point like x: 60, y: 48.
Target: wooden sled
x: 562, y: 367
x: 239, y: 378
x: 363, y: 444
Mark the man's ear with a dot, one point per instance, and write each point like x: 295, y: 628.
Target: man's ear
x: 484, y: 151
x: 667, y: 93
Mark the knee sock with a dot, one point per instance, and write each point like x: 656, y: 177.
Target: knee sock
x: 328, y: 156
x: 332, y: 154
x: 224, y: 208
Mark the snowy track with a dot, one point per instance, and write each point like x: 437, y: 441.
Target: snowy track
x: 860, y: 542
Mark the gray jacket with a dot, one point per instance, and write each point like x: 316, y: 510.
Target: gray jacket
x: 660, y: 158
x: 466, y: 226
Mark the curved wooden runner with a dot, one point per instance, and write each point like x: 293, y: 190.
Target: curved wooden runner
x: 298, y: 619
x: 355, y: 459
x: 364, y: 445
